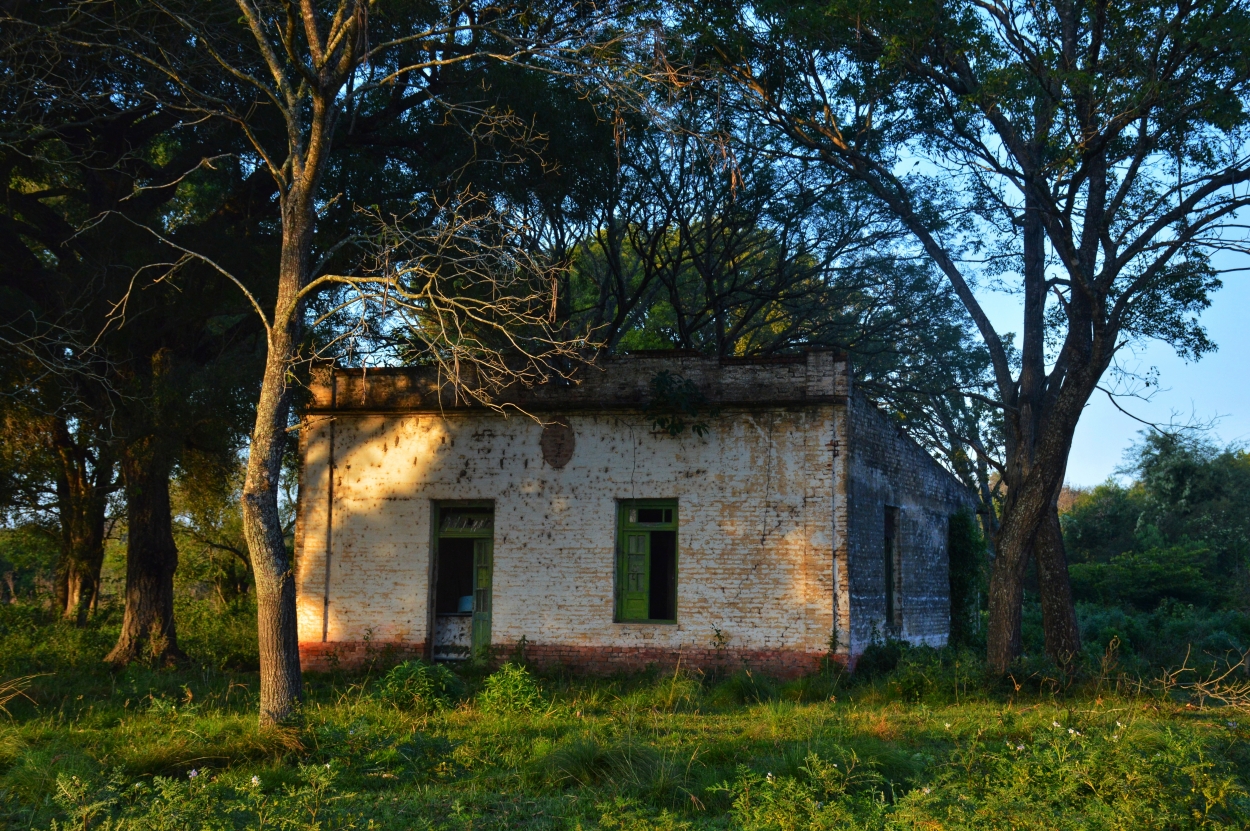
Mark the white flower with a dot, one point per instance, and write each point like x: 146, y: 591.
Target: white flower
x: 926, y: 790
x: 1019, y: 747
x: 1117, y: 724
x: 1054, y: 724
x: 256, y: 781
x: 948, y: 725
x: 769, y: 777
x: 191, y: 774
x: 1070, y: 731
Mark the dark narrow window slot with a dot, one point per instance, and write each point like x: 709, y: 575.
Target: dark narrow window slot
x: 663, y: 588
x: 652, y: 515
x: 893, y: 612
x: 455, y: 575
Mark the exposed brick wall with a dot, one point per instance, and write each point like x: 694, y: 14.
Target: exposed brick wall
x: 615, y: 659
x: 323, y: 657
x: 777, y: 506
x: 888, y: 468
x: 755, y: 502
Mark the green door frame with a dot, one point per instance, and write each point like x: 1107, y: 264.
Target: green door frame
x: 633, y: 566
x: 483, y: 536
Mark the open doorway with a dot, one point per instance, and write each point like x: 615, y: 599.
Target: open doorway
x: 463, y: 567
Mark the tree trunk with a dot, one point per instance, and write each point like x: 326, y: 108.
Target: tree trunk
x: 151, y: 557
x: 1063, y: 635
x: 281, y: 685
x: 83, y: 485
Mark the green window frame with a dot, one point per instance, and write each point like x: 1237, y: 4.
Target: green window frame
x: 647, y: 561
x: 472, y: 520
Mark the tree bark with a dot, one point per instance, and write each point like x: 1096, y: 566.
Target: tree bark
x: 148, y: 630
x: 281, y: 684
x: 1063, y: 635
x: 83, y: 485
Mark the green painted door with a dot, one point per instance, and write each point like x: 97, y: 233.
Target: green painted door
x: 483, y: 565
x: 635, y: 576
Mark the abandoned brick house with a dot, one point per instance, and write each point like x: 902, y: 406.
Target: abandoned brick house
x: 799, y: 520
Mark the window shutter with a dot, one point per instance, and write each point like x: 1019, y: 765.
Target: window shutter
x: 635, y: 576
x: 483, y: 556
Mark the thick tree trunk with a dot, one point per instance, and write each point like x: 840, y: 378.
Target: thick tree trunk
x: 281, y: 685
x: 1063, y: 635
x: 151, y: 558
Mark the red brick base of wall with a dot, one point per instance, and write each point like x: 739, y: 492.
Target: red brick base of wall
x: 594, y: 660
x: 606, y: 660
x: 315, y: 656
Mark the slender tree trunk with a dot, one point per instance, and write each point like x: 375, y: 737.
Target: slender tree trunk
x: 281, y: 685
x: 151, y: 558
x: 83, y: 485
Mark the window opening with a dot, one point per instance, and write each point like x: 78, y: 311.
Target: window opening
x: 462, y: 585
x: 893, y: 570
x: 647, y: 571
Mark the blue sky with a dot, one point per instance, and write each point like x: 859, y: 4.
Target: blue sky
x: 1215, y: 386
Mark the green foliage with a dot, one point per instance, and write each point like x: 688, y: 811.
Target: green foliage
x: 1180, y: 532
x: 676, y: 403
x: 510, y: 689
x: 1132, y: 775
x: 968, y: 565
x: 741, y: 688
x: 928, y: 744
x: 880, y: 657
x: 824, y: 795
x: 28, y: 552
x: 419, y: 687
x: 1143, y: 580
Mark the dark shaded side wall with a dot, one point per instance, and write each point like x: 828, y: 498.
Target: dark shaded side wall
x: 887, y: 468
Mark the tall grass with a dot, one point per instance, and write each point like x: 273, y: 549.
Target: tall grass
x: 926, y: 743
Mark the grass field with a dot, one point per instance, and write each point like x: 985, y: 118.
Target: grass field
x: 928, y: 745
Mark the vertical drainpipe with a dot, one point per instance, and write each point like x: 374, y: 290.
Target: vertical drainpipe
x: 325, y: 605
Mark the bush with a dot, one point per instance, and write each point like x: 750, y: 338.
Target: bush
x: 420, y: 687
x: 743, y: 687
x: 1143, y: 580
x: 880, y: 658
x: 510, y: 689
x: 825, y: 795
x: 967, y: 577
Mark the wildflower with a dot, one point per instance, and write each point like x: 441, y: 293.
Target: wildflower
x: 1019, y: 747
x: 1117, y: 724
x: 948, y: 725
x: 255, y: 781
x: 1070, y: 731
x: 926, y: 790
x: 192, y: 773
x: 1232, y: 724
x: 327, y: 765
x: 769, y: 777
x: 1054, y: 724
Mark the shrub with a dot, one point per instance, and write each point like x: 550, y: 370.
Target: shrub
x: 967, y: 577
x: 418, y: 686
x: 743, y: 687
x: 825, y: 795
x: 880, y: 658
x: 1144, y: 579
x: 587, y: 761
x: 510, y: 689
